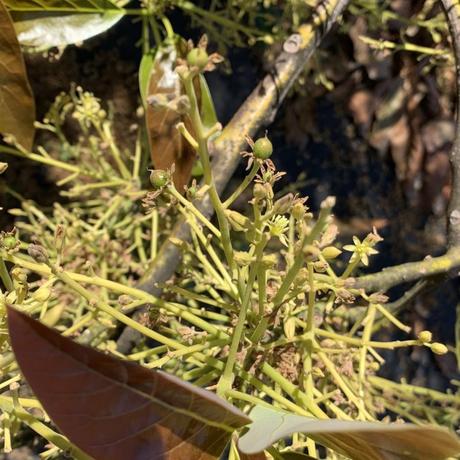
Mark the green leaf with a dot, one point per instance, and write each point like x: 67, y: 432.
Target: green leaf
x: 17, y: 106
x: 354, y: 439
x: 63, y: 6
x: 145, y: 69
x: 208, y: 112
x: 38, y: 31
x: 60, y: 22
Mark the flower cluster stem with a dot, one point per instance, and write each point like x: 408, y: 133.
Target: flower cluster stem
x: 202, y: 139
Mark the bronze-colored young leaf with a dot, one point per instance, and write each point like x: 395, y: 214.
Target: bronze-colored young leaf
x: 167, y: 145
x: 17, y: 106
x: 354, y: 439
x: 118, y: 410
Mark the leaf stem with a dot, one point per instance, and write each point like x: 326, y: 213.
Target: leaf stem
x: 243, y: 185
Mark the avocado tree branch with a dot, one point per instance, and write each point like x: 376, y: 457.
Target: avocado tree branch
x: 412, y: 271
x: 257, y: 111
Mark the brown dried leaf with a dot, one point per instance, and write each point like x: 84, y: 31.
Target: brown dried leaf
x: 167, y: 145
x: 17, y: 106
x: 118, y: 410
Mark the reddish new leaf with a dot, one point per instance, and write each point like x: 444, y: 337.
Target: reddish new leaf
x: 17, y: 106
x: 167, y: 145
x: 118, y: 410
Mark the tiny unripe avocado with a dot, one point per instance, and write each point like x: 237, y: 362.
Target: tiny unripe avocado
x: 9, y: 242
x: 158, y: 178
x: 263, y: 148
x: 197, y: 57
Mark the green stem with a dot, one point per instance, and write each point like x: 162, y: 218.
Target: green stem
x: 225, y: 382
x: 45, y: 160
x: 299, y: 257
x: 243, y: 185
x: 345, y: 339
x: 203, y: 152
x: 367, y: 333
x: 154, y: 234
x: 106, y: 134
x: 193, y: 210
x: 310, y: 333
x: 262, y: 288
x: 342, y: 384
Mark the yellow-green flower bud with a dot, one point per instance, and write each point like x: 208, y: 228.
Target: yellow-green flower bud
x: 374, y: 366
x: 242, y: 258
x: 298, y: 211
x: 283, y: 205
x: 425, y: 336
x: 269, y: 260
x: 238, y: 222
x: 320, y: 266
x: 289, y: 327
x: 19, y: 275
x: 310, y: 252
x: 439, y: 348
x: 331, y: 252
x: 42, y: 294
x: 317, y: 372
x: 259, y: 192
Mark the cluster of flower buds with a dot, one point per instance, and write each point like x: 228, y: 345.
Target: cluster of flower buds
x: 437, y: 348
x: 87, y: 108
